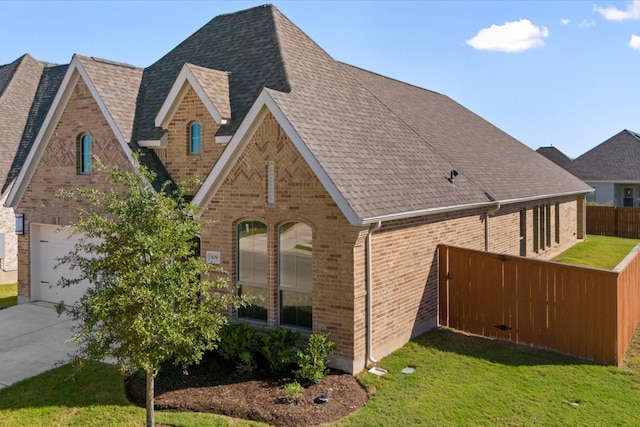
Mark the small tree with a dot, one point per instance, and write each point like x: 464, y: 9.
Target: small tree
x: 151, y: 298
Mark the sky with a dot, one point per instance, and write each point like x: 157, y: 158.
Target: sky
x: 549, y: 73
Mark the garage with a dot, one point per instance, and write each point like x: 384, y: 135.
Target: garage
x: 47, y: 246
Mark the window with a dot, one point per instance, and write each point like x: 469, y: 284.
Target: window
x: 542, y: 224
x: 252, y: 268
x: 195, y: 138
x: 557, y: 222
x: 84, y: 154
x: 535, y: 229
x: 548, y: 225
x: 523, y: 232
x: 628, y: 197
x: 295, y: 279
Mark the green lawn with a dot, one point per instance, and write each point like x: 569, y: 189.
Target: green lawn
x: 598, y: 252
x: 458, y: 380
x: 8, y: 295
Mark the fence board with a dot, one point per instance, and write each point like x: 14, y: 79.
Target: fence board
x: 613, y: 221
x: 585, y: 312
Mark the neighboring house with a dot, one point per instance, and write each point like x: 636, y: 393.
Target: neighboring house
x: 613, y: 169
x: 330, y: 186
x: 555, y: 155
x: 27, y: 87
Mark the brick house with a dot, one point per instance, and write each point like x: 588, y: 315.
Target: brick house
x: 612, y: 169
x: 330, y: 186
x: 27, y: 87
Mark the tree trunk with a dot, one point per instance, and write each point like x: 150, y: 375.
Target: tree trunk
x: 150, y: 390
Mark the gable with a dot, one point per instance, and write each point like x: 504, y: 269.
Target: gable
x: 175, y: 153
x: 74, y: 74
x: 211, y: 86
x: 297, y: 193
x: 57, y: 167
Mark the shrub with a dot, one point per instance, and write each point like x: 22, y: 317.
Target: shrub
x: 237, y: 343
x: 312, y: 363
x: 293, y: 392
x: 278, y: 347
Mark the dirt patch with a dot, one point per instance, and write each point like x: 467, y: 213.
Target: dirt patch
x: 215, y: 386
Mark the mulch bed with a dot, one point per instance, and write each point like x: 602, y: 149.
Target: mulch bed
x: 215, y: 386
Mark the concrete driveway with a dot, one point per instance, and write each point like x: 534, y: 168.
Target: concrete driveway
x: 32, y: 340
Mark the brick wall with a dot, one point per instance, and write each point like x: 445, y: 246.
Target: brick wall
x: 176, y: 157
x: 405, y: 281
x: 338, y: 293
x: 403, y: 251
x: 58, y: 170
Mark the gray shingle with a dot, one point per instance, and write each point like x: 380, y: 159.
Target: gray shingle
x: 18, y: 85
x: 48, y: 85
x: 555, y: 155
x: 118, y: 85
x: 616, y: 159
x: 216, y: 85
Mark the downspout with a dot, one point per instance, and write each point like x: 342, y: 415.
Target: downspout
x: 486, y: 225
x: 370, y: 358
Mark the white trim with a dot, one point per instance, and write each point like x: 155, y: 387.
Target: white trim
x: 618, y: 182
x: 69, y: 82
x: 223, y: 139
x: 239, y: 141
x: 177, y: 94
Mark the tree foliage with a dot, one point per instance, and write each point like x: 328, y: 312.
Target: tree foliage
x: 150, y: 299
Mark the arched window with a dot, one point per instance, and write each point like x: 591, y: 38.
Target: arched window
x: 84, y: 154
x: 295, y: 252
x: 195, y: 138
x: 252, y: 268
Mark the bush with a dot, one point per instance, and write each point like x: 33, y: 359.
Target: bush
x: 238, y: 343
x: 293, y: 391
x: 312, y: 363
x: 278, y: 347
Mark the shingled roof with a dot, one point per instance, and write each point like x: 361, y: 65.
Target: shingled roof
x: 387, y: 146
x: 616, y: 159
x: 384, y: 146
x: 27, y: 87
x: 555, y: 155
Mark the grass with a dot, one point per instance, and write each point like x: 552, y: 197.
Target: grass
x: 598, y: 252
x: 459, y: 380
x: 8, y: 295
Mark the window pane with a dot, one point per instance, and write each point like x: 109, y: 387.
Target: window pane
x: 295, y: 256
x: 85, y: 154
x: 252, y: 268
x: 296, y: 309
x: 196, y: 140
x: 252, y: 252
x: 295, y: 275
x: 258, y: 309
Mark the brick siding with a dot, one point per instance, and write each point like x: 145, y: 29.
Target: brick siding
x: 176, y: 157
x: 58, y: 170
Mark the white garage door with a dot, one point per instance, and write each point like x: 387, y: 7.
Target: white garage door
x: 47, y: 245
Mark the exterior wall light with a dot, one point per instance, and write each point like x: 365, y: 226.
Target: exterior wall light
x: 19, y: 223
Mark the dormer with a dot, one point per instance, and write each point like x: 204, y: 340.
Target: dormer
x: 211, y: 86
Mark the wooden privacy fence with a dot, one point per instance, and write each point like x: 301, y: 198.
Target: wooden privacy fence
x: 588, y: 313
x: 613, y: 221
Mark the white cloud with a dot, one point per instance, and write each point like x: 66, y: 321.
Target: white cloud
x: 634, y: 43
x: 586, y: 23
x: 511, y: 37
x: 615, y: 14
x: 564, y: 21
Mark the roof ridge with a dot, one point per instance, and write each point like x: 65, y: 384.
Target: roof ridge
x: 107, y: 61
x: 391, y: 78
